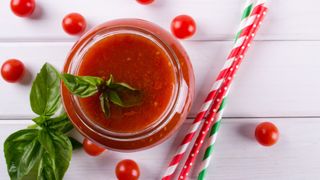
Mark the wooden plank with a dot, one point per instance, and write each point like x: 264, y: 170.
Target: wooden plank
x: 237, y: 155
x: 277, y: 78
x: 217, y: 20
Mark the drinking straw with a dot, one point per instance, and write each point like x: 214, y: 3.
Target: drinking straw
x: 248, y: 33
x: 207, y: 103
x: 211, y: 141
x: 215, y: 128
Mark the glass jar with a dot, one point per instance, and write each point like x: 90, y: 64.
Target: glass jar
x: 172, y: 116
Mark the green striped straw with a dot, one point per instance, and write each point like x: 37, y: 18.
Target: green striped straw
x: 215, y: 128
x: 211, y: 140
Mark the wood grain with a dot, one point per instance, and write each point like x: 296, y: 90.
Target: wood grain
x: 216, y: 19
x: 237, y: 154
x: 277, y: 78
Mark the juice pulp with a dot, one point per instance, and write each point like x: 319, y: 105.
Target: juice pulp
x: 139, y: 62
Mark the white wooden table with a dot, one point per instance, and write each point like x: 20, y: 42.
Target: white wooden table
x: 279, y: 82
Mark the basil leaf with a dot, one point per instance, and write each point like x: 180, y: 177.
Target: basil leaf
x: 56, y: 157
x: 115, y: 99
x: 105, y: 104
x: 33, y: 126
x: 60, y: 123
x: 45, y: 91
x: 110, y: 80
x: 40, y: 120
x: 121, y: 85
x: 30, y: 147
x: 22, y: 152
x: 46, y: 168
x: 75, y: 143
x: 46, y: 142
x: 83, y: 86
x: 124, y: 95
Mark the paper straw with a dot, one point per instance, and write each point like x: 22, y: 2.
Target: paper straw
x: 215, y: 128
x: 205, y: 106
x: 249, y: 32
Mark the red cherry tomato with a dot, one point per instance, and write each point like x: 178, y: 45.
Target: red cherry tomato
x: 127, y: 170
x: 23, y: 8
x: 267, y: 134
x: 183, y: 26
x: 74, y: 23
x: 145, y: 2
x: 12, y: 70
x: 91, y: 148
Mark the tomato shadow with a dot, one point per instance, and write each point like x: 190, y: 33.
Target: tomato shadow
x: 90, y: 25
x: 38, y: 12
x: 27, y: 78
x: 96, y: 162
x: 159, y: 4
x: 246, y: 130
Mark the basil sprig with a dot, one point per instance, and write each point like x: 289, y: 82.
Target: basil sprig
x: 118, y: 93
x: 42, y: 150
x: 83, y: 86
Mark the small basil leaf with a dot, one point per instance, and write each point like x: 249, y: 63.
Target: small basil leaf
x: 33, y: 126
x: 22, y: 151
x: 110, y: 80
x: 45, y: 91
x: 121, y: 85
x: 60, y: 123
x: 105, y: 104
x: 115, y: 99
x: 40, y: 120
x: 124, y: 95
x: 75, y: 143
x: 83, y: 86
x: 54, y: 164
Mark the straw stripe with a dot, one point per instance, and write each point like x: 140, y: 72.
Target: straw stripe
x: 226, y: 66
x: 247, y: 22
x: 206, y: 105
x: 246, y: 12
x: 239, y: 42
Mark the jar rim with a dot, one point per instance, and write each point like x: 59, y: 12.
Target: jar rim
x: 164, y: 118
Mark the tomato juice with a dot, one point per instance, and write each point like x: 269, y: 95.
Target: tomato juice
x: 139, y: 62
x: 147, y: 58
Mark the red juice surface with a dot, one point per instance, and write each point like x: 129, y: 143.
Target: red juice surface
x: 139, y: 62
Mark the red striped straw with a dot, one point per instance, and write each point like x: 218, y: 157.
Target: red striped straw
x: 207, y: 103
x: 259, y: 12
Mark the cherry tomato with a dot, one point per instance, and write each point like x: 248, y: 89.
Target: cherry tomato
x: 127, y: 170
x: 267, y: 134
x: 183, y: 26
x: 12, y: 70
x: 145, y: 2
x: 74, y: 23
x: 23, y: 8
x: 91, y: 148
